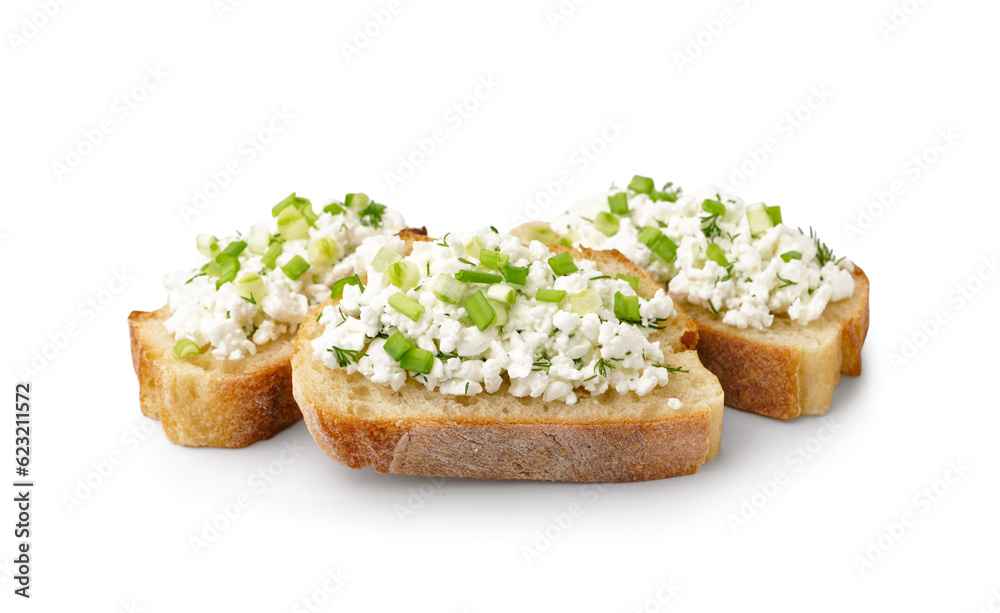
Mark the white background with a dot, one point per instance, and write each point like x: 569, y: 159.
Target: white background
x: 727, y: 538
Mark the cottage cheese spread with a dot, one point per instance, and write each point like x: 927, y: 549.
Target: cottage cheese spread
x: 546, y: 349
x: 748, y: 285
x: 210, y: 313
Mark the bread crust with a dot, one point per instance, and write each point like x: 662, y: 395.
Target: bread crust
x: 202, y: 402
x: 764, y: 373
x: 340, y: 412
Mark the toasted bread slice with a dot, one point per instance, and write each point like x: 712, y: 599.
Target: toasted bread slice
x: 785, y: 370
x: 606, y: 438
x: 204, y: 401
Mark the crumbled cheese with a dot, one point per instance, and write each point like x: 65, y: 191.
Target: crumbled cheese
x: 546, y: 350
x: 758, y: 285
x: 234, y: 326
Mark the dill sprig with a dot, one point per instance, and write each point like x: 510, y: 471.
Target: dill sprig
x: 823, y: 252
x: 346, y: 356
x: 371, y: 215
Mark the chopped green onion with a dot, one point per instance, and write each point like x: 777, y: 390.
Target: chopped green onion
x: 473, y: 247
x: 186, y: 347
x: 404, y: 275
x: 407, y: 306
x: 627, y: 308
x: 384, y: 259
x: 304, y: 205
x: 474, y: 276
x: 270, y: 258
x: 633, y: 281
x: 788, y: 256
x: 563, y: 264
x: 501, y: 310
x: 232, y: 250
x: 543, y: 234
x: 493, y: 259
x: 357, y: 201
x: 324, y: 251
x: 758, y: 219
x: 606, y: 223
x: 649, y: 235
x: 665, y: 248
x: 550, y: 295
x: 397, y: 345
x: 480, y: 311
x: 292, y: 225
x: 715, y: 253
x: 284, y: 204
x: 448, y: 289
x: 585, y: 302
x: 295, y: 267
x: 208, y: 245
x: 212, y: 269
x: 260, y: 239
x: 618, y: 203
x: 417, y: 360
x: 251, y: 287
x: 504, y: 294
x: 333, y: 208
x: 337, y: 291
x: 227, y: 272
x: 774, y: 213
x: 641, y: 185
x: 515, y: 275
x: 713, y: 207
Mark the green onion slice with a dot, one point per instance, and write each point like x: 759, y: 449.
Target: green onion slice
x: 543, y: 234
x: 270, y: 258
x: 585, y: 302
x: 774, y: 213
x: 715, y: 253
x: 501, y: 293
x: 260, y: 239
x: 480, y: 311
x: 665, y: 248
x: 407, y: 306
x: 251, y: 287
x: 627, y: 308
x: 475, y: 276
x: 500, y: 308
x: 618, y: 203
x: 788, y: 256
x: 633, y: 281
x: 563, y: 264
x: 449, y: 289
x: 333, y: 208
x: 649, y: 235
x: 397, y: 345
x: 403, y: 274
x: 641, y: 185
x: 232, y: 250
x: 208, y: 245
x: 357, y: 201
x: 284, y: 204
x: 384, y: 259
x: 292, y: 225
x: 227, y: 273
x: 337, y: 291
x: 758, y: 219
x: 324, y: 251
x: 515, y: 275
x: 493, y: 259
x: 550, y: 295
x: 186, y: 347
x: 295, y: 267
x: 607, y: 223
x: 713, y: 207
x: 417, y: 360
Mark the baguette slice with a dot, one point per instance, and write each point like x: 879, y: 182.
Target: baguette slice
x: 203, y: 401
x: 606, y: 438
x: 788, y: 369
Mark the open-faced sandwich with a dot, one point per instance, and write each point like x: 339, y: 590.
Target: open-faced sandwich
x: 477, y: 356
x: 214, y: 363
x: 780, y: 318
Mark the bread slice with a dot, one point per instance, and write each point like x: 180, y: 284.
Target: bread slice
x: 606, y: 438
x: 203, y: 401
x: 788, y: 369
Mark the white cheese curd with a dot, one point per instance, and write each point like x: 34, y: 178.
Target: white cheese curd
x: 545, y: 349
x: 208, y: 312
x: 778, y: 271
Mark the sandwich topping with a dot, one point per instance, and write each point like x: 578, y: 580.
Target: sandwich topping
x: 253, y: 289
x: 460, y: 313
x: 714, y: 250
